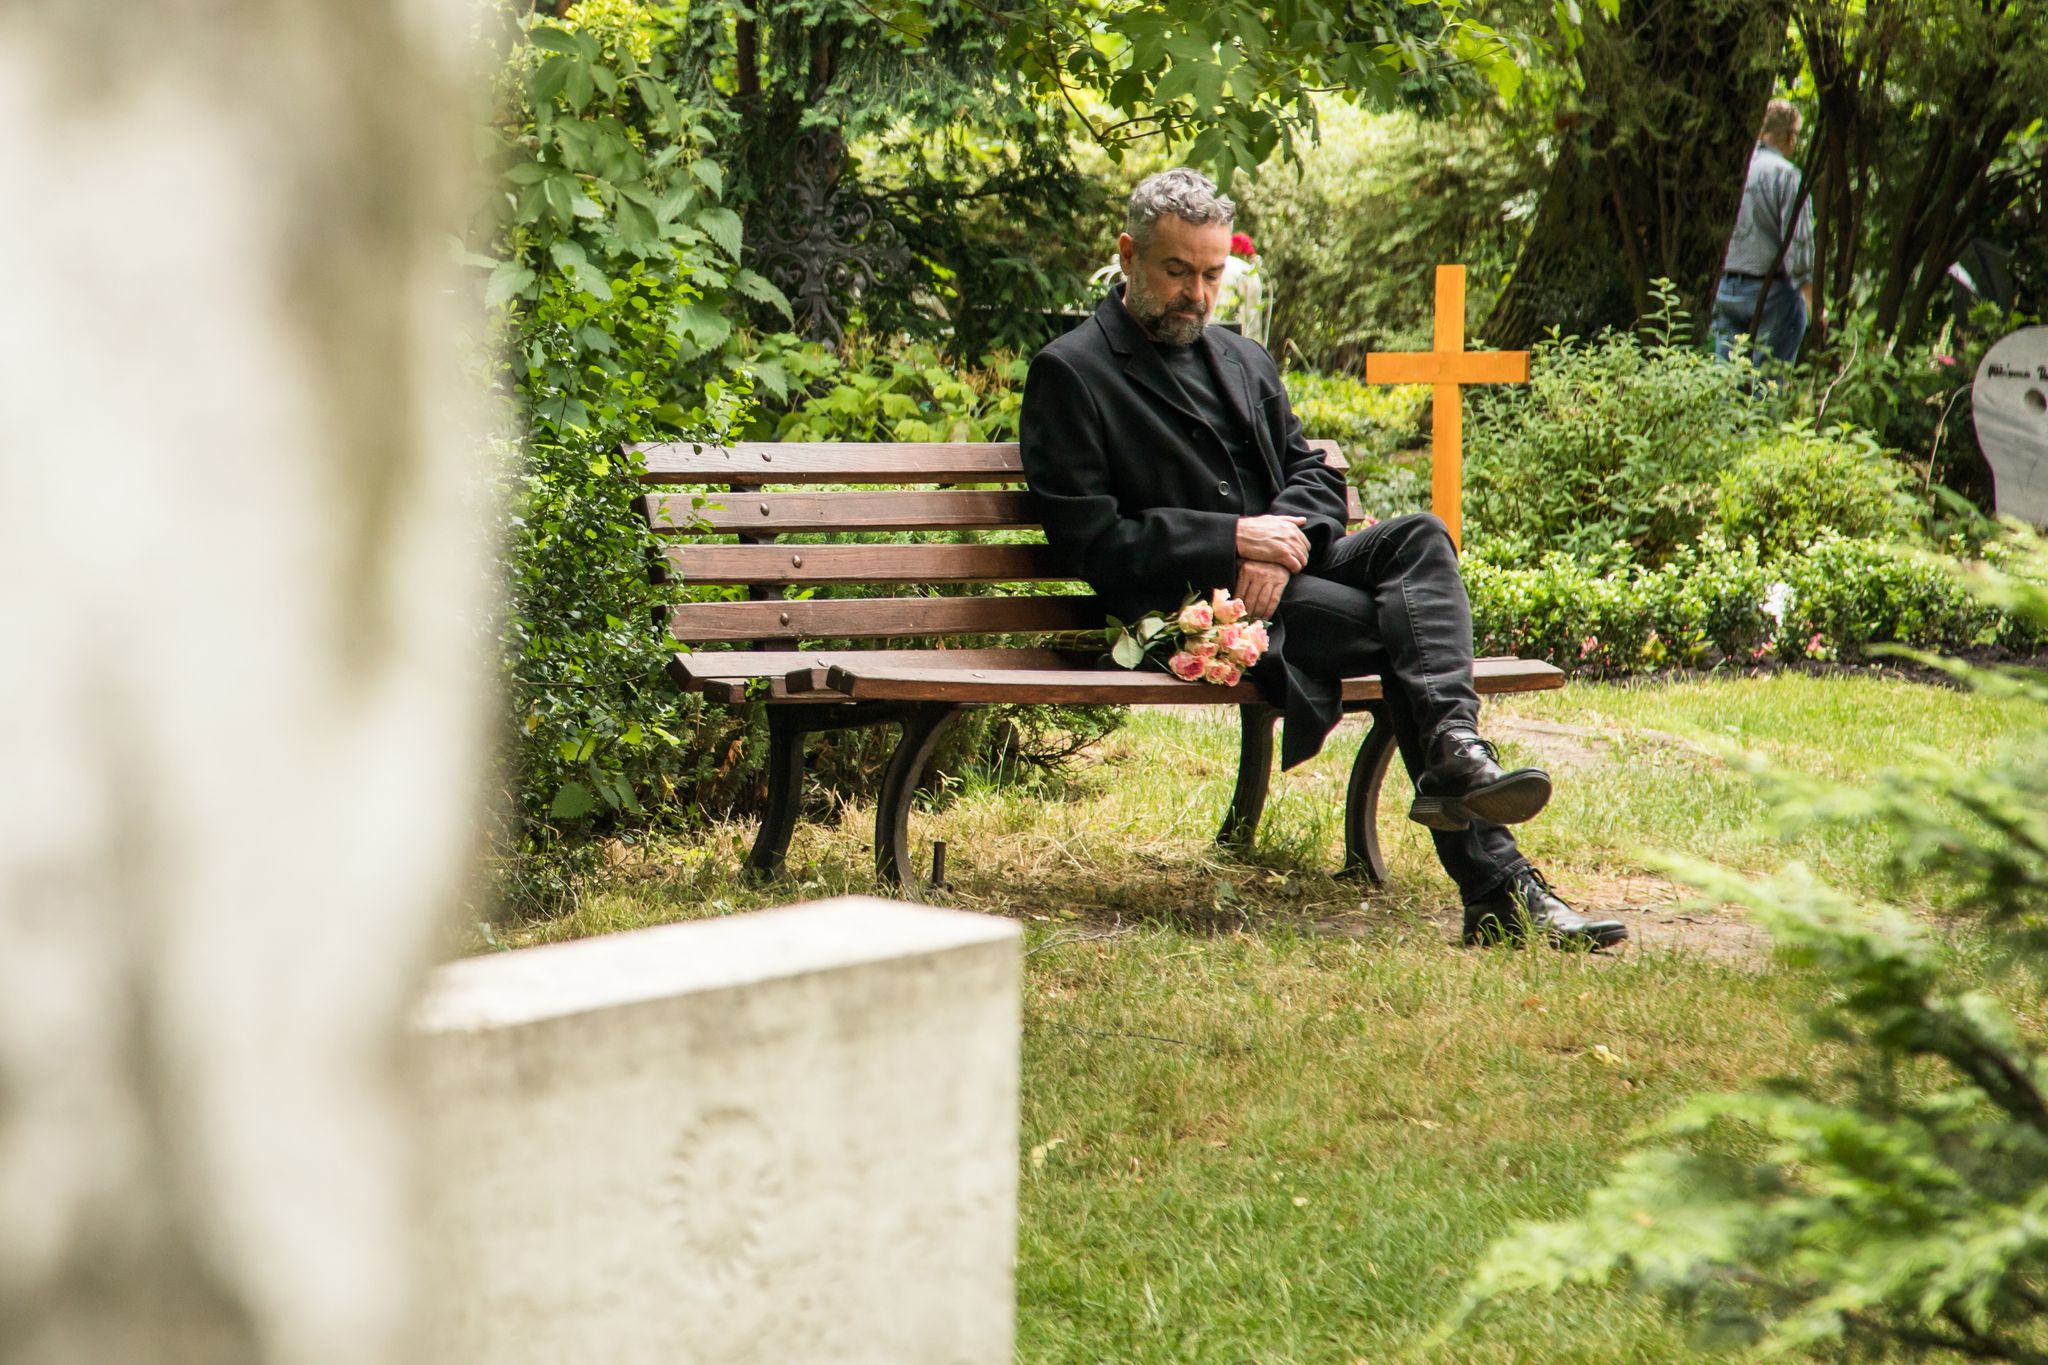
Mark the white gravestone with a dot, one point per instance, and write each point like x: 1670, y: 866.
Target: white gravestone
x: 787, y: 1138
x: 242, y: 583
x: 2011, y: 402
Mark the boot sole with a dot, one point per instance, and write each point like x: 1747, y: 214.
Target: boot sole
x: 1492, y: 933
x: 1514, y: 798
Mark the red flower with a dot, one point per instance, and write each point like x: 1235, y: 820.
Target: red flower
x: 1241, y: 245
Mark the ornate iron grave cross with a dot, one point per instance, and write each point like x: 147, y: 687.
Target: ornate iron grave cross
x: 1446, y: 368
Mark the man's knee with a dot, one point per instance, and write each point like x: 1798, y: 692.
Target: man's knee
x: 1420, y: 531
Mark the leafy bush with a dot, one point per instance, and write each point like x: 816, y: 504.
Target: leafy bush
x: 1894, y: 1204
x: 1372, y: 422
x: 611, y: 263
x: 1787, y: 490
x: 902, y: 391
x: 1617, y: 444
x: 1712, y: 603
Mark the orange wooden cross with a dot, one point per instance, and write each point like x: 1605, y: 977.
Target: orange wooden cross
x: 1445, y: 368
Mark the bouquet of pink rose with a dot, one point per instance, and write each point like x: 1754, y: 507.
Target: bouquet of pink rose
x: 1209, y: 639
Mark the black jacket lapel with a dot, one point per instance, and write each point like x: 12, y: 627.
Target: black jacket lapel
x: 1141, y: 361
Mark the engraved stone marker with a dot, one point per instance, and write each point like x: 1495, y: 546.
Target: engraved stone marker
x: 2011, y: 401
x: 780, y: 1138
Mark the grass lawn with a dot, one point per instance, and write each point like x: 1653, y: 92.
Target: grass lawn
x: 1271, y: 1118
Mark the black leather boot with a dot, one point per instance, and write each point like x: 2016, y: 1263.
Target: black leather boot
x: 1465, y: 782
x: 1524, y: 906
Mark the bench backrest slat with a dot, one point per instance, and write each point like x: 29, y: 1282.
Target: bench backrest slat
x: 875, y: 618
x: 800, y: 564
x: 768, y: 514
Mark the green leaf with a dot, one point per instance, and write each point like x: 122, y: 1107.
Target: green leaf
x: 509, y: 281
x: 772, y: 376
x: 761, y: 290
x: 699, y: 325
x: 636, y: 224
x: 578, y: 86
x: 551, y: 38
x: 1127, y: 651
x: 722, y: 225
x: 711, y: 173
x: 547, y: 84
x: 572, y: 801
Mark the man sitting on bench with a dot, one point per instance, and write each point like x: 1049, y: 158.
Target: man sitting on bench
x: 1164, y: 459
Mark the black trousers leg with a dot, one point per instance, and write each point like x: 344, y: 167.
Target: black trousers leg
x: 1390, y: 600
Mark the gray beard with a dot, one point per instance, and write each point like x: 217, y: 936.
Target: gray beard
x: 1151, y: 316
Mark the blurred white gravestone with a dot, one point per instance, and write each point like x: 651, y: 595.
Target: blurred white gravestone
x: 240, y: 592
x: 2011, y: 402
x: 787, y: 1138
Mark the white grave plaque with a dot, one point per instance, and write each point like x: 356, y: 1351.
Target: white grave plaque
x: 2011, y: 401
x: 787, y: 1138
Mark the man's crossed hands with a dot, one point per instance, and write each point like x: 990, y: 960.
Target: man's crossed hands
x: 1270, y: 550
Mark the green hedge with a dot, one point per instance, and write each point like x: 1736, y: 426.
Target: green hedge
x: 1713, y: 603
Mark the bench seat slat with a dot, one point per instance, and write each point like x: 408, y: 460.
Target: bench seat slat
x: 723, y: 675
x: 882, y: 678
x: 765, y: 514
x: 863, y: 618
x: 751, y: 564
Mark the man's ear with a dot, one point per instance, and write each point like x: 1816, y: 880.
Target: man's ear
x: 1126, y: 252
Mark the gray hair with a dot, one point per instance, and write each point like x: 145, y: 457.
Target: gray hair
x: 1185, y: 194
x: 1780, y: 117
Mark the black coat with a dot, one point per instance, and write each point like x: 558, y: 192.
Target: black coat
x: 1143, y: 498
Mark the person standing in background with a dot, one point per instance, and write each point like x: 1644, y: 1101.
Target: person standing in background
x: 1770, y: 254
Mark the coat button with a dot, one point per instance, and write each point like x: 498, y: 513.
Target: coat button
x: 1224, y: 488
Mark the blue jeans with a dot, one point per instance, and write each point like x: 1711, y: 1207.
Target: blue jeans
x: 1779, y: 333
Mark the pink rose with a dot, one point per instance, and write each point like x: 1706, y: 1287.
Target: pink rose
x: 1195, y: 616
x: 1228, y: 609
x: 1241, y: 245
x: 1204, y: 650
x: 1259, y: 636
x: 1222, y: 673
x: 1186, y: 666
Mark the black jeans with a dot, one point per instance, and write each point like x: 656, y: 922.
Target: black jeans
x: 1390, y: 600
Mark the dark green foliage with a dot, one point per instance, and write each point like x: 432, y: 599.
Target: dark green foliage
x: 1896, y: 1202
x: 904, y: 391
x: 612, y: 260
x: 1615, y: 446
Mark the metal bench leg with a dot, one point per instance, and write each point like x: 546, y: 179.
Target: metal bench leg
x: 1362, y: 853
x: 785, y: 795
x: 1254, y: 774
x: 921, y: 726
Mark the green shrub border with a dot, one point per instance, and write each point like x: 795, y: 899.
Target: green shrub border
x: 1714, y: 604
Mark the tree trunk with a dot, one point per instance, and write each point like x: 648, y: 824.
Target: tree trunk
x: 240, y: 580
x: 1648, y: 187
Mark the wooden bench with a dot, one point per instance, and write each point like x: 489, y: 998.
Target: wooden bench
x: 754, y: 495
